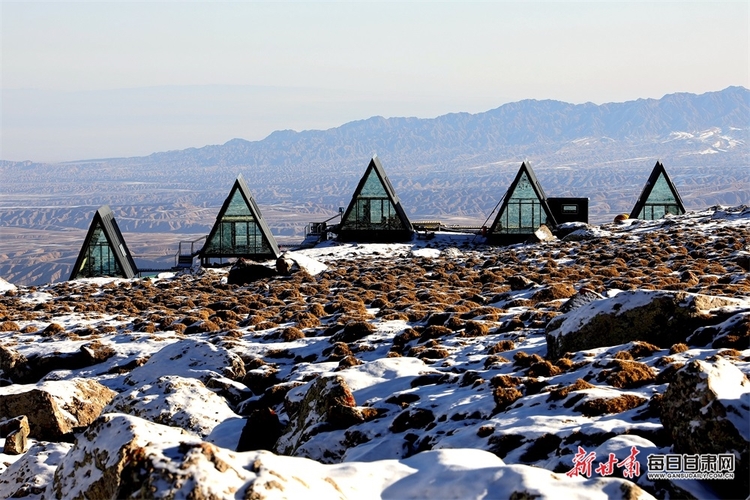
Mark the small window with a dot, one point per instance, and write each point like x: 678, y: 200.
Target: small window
x: 570, y: 209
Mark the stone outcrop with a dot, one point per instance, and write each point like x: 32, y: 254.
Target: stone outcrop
x: 706, y: 409
x: 177, y: 402
x: 246, y: 271
x: 328, y: 404
x: 55, y: 408
x: 16, y: 433
x: 189, y: 358
x: 31, y: 475
x: 660, y: 317
x: 23, y: 370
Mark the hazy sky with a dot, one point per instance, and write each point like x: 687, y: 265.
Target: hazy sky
x: 104, y: 79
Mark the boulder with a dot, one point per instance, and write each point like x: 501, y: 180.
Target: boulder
x: 659, y: 317
x: 327, y: 405
x: 28, y: 370
x: 55, y: 408
x: 30, y: 477
x: 246, y: 271
x: 291, y: 262
x: 189, y: 358
x: 540, y: 235
x: 15, y: 431
x: 706, y: 410
x: 177, y: 402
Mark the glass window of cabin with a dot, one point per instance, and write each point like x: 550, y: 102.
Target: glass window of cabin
x: 523, y: 213
x: 373, y: 209
x: 661, y: 201
x: 99, y: 259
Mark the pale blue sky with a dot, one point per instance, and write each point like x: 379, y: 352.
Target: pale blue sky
x: 104, y: 79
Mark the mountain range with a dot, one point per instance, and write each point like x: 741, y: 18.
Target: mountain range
x: 454, y: 168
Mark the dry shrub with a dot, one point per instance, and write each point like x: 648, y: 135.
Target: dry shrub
x: 353, y: 331
x: 597, y: 407
x: 348, y: 362
x: 562, y: 393
x: 524, y: 360
x: 337, y: 351
x: 381, y: 303
x: 305, y: 319
x: 291, y: 333
x: 53, y: 329
x: 677, y: 348
x: 625, y: 355
x: 502, y: 346
x: 475, y: 329
x: 505, y: 381
x: 458, y: 308
x: 729, y: 353
x: 266, y: 325
x: 504, y: 397
x: 494, y: 360
x: 434, y: 332
x: 394, y: 316
x: 202, y: 326
x: 455, y: 323
x: 543, y: 369
x: 429, y: 353
x: 405, y: 337
x: 630, y: 374
x: 564, y: 364
x: 316, y: 309
x: 9, y: 326
x: 486, y: 312
x: 554, y: 292
x: 641, y: 349
x: 178, y: 327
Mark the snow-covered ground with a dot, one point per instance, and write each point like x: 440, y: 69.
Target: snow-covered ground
x: 416, y: 370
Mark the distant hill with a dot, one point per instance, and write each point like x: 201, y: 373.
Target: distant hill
x: 528, y: 127
x: 454, y: 168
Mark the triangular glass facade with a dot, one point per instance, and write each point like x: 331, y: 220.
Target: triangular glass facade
x: 372, y: 208
x: 98, y: 258
x: 661, y: 201
x: 104, y: 252
x: 659, y: 197
x: 523, y: 211
x: 239, y: 230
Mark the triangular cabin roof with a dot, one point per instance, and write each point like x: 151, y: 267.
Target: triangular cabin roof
x: 524, y: 208
x: 240, y: 230
x: 375, y: 212
x: 658, y: 198
x: 104, y: 252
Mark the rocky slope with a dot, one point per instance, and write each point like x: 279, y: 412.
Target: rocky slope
x: 437, y: 368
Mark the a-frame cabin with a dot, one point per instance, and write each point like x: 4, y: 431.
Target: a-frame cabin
x: 524, y: 208
x: 375, y: 213
x: 658, y: 198
x: 240, y: 230
x: 104, y: 252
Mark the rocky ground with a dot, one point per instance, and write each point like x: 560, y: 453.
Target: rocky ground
x: 438, y: 368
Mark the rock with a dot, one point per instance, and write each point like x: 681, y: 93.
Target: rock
x: 540, y: 235
x: 328, y: 404
x: 291, y: 262
x: 31, y: 476
x: 581, y: 298
x: 55, y: 408
x: 15, y: 431
x: 23, y: 370
x: 177, y: 402
x: 706, y: 409
x: 659, y: 317
x: 261, y: 430
x: 246, y: 271
x: 189, y: 358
